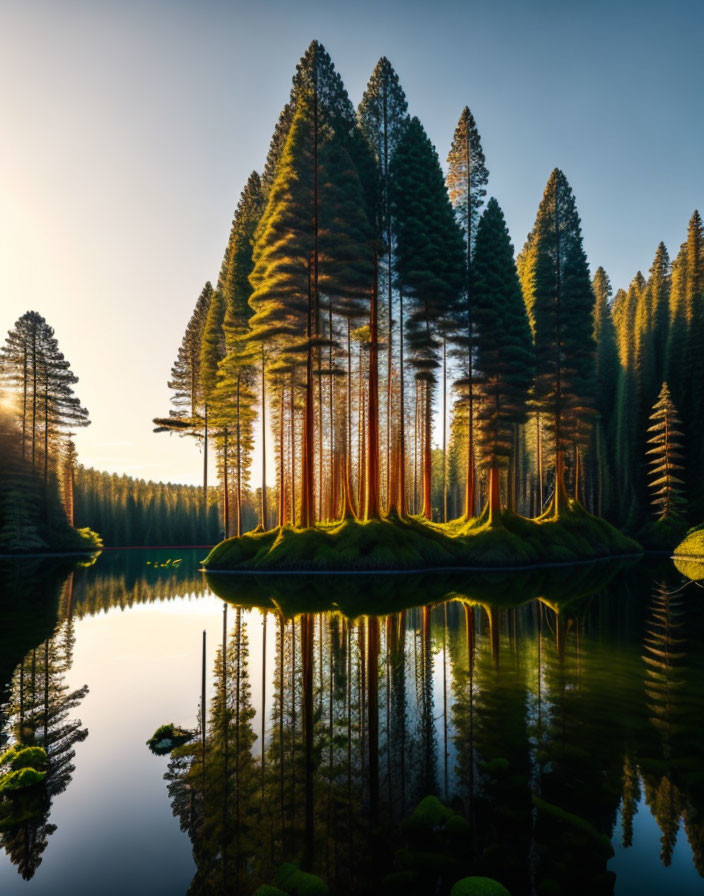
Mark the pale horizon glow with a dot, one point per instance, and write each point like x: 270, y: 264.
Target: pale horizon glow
x: 129, y: 130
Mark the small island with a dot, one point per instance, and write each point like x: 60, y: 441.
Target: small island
x: 413, y: 544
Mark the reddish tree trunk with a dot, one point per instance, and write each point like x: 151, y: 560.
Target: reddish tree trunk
x: 372, y: 490
x: 427, y: 458
x: 494, y: 493
x: 307, y: 495
x: 225, y: 489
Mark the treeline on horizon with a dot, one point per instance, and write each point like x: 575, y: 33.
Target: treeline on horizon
x: 361, y: 289
x: 130, y: 512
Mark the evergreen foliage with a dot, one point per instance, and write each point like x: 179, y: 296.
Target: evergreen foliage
x: 665, y: 457
x: 504, y: 361
x: 430, y: 267
x: 560, y: 306
x: 467, y: 177
x: 131, y: 512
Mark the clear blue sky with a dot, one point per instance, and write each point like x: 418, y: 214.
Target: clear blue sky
x: 129, y: 129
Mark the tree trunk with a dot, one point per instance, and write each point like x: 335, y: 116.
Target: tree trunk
x: 494, y: 493
x: 307, y: 488
x: 293, y: 448
x: 238, y: 504
x: 282, y: 459
x: 373, y: 713
x: 349, y: 510
x: 427, y: 457
x: 400, y: 492
x: 307, y: 651
x: 205, y: 463
x: 444, y: 430
x: 372, y: 491
x: 225, y: 488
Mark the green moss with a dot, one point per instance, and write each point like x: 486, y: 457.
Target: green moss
x: 168, y: 736
x: 29, y: 757
x: 295, y: 882
x: 20, y: 780
x: 478, y: 886
x: 689, y: 555
x: 412, y: 544
x: 266, y: 890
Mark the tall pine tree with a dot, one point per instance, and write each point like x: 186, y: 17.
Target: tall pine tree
x: 504, y: 357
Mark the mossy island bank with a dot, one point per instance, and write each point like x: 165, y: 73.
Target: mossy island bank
x: 412, y: 543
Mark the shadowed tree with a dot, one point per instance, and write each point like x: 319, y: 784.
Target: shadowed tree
x: 560, y: 306
x: 467, y: 177
x: 504, y: 358
x: 382, y: 115
x: 189, y: 414
x: 430, y: 268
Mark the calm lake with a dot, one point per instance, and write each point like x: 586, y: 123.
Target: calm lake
x: 558, y: 715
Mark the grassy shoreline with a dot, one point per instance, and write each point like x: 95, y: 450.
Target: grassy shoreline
x: 415, y: 545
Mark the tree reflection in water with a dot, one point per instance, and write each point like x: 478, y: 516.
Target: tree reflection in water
x: 544, y: 710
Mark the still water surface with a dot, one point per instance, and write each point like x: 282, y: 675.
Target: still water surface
x: 559, y: 715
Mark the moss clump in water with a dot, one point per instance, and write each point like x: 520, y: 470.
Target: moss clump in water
x: 168, y: 737
x: 412, y: 544
x: 295, y: 882
x: 478, y: 886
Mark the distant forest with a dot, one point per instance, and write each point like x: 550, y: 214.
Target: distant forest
x: 365, y: 293
x: 129, y: 511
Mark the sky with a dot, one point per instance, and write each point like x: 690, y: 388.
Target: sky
x: 128, y: 130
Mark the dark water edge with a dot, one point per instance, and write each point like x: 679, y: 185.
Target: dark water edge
x: 555, y: 714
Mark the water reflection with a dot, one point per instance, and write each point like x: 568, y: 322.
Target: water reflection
x: 544, y: 711
x: 38, y: 708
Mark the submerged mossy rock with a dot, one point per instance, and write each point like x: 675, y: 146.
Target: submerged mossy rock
x: 26, y: 757
x: 415, y: 544
x: 295, y: 882
x: 478, y: 886
x: 21, y: 779
x: 168, y: 737
x: 22, y: 767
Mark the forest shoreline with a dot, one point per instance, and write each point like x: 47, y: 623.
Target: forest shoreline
x: 555, y: 564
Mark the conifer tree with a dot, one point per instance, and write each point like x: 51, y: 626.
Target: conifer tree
x: 235, y: 392
x: 560, y: 305
x: 36, y: 373
x: 665, y: 458
x: 430, y: 266
x: 188, y: 415
x: 606, y: 373
x: 467, y: 177
x: 313, y: 240
x: 658, y: 293
x: 382, y: 115
x: 504, y: 358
